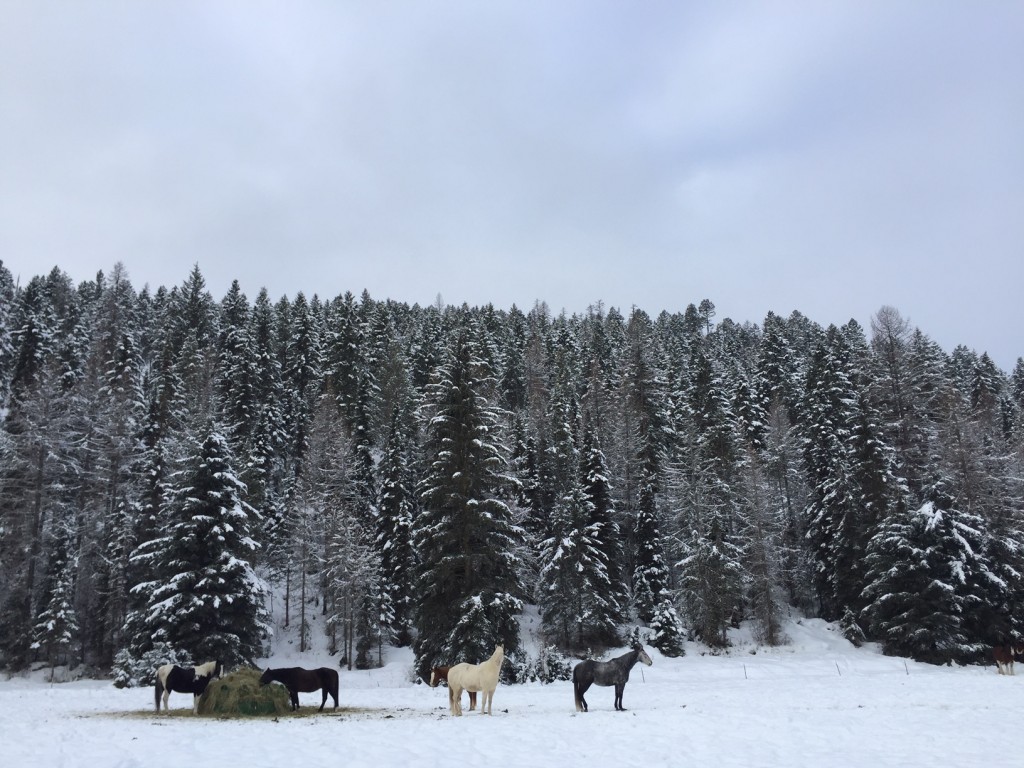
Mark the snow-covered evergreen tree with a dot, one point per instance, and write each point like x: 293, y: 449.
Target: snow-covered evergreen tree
x: 711, y: 582
x: 205, y: 597
x: 574, y: 590
x: 396, y: 508
x: 470, y: 591
x: 924, y: 580
x: 56, y: 626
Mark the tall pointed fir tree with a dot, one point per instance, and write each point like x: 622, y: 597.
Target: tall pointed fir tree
x: 578, y: 603
x: 650, y: 572
x: 7, y: 304
x: 836, y: 527
x: 574, y: 590
x: 465, y: 536
x: 206, y: 599
x: 396, y: 510
x: 925, y: 581
x: 302, y: 380
x: 711, y: 580
x: 761, y: 528
x: 118, y: 414
x: 38, y: 468
x: 263, y: 471
x: 56, y: 628
x: 608, y: 536
x: 707, y: 486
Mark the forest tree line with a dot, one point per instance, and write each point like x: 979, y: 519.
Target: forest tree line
x: 418, y: 475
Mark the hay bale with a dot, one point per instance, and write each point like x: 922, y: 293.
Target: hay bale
x: 241, y: 695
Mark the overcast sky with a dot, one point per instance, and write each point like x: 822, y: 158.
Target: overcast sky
x: 826, y: 157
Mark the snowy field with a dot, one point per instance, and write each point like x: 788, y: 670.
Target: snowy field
x: 816, y: 702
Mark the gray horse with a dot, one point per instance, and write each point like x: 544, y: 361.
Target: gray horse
x: 614, y: 672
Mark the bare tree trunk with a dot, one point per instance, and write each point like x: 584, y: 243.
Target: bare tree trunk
x: 287, y: 592
x: 302, y: 611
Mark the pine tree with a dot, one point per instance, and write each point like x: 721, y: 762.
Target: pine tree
x: 465, y: 535
x: 650, y: 573
x: 206, y: 599
x: 923, y: 582
x: 574, y: 589
x: 38, y: 469
x: 8, y: 299
x: 396, y: 507
x: 608, y: 536
x: 761, y: 530
x: 56, y: 627
x: 711, y: 581
x: 667, y: 631
x: 836, y: 528
x: 302, y: 381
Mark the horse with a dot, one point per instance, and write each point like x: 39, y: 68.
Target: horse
x: 437, y: 674
x: 1004, y: 656
x: 475, y: 677
x: 297, y: 679
x: 614, y: 672
x: 171, y: 677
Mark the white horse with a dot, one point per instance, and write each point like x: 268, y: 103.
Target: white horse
x: 475, y: 677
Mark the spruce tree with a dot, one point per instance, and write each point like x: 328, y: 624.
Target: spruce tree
x: 467, y: 542
x: 925, y: 580
x: 396, y: 509
x: 574, y: 591
x: 56, y: 628
x: 205, y: 598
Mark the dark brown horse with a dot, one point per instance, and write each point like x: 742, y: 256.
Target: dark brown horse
x: 298, y: 680
x: 1004, y: 656
x: 437, y: 674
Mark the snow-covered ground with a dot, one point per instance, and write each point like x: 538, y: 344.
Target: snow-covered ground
x: 815, y: 702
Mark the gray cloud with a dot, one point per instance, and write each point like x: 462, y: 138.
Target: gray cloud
x: 829, y: 158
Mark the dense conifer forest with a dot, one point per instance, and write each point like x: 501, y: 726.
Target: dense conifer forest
x: 417, y: 475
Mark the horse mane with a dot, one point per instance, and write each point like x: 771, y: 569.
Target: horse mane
x: 209, y: 669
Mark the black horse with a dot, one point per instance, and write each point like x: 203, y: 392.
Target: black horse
x: 297, y: 679
x: 614, y: 672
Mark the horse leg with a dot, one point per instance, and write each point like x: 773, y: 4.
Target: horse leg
x: 166, y: 697
x: 454, y: 696
x: 619, y: 687
x: 322, y: 703
x: 295, y: 699
x: 472, y: 700
x: 580, y: 688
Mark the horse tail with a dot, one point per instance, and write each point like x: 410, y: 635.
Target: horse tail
x: 576, y: 686
x: 157, y: 690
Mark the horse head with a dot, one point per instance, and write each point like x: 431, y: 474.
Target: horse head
x: 266, y: 678
x: 641, y: 655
